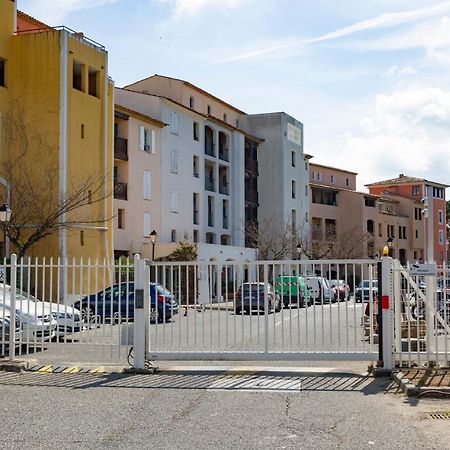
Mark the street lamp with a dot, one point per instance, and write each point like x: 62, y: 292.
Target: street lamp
x: 153, y: 236
x: 299, y: 250
x: 389, y: 244
x: 5, y: 216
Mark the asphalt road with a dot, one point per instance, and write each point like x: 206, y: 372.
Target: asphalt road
x: 162, y: 411
x: 321, y: 328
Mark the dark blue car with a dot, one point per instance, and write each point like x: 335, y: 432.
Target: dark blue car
x: 116, y: 304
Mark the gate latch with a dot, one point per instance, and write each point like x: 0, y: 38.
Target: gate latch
x: 139, y: 299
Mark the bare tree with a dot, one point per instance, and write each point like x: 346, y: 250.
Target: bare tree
x: 30, y: 170
x: 274, y: 239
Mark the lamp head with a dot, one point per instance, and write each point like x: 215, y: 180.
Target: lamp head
x: 153, y: 236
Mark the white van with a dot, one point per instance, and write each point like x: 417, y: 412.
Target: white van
x: 320, y: 290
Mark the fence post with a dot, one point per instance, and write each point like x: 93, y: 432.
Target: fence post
x: 12, y: 322
x: 141, y: 311
x: 386, y: 313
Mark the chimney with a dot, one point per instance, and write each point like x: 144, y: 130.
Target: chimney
x: 401, y: 175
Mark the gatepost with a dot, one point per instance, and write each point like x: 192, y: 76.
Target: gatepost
x: 141, y: 311
x: 387, y: 306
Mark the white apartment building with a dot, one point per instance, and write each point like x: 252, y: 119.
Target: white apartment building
x: 283, y: 169
x: 200, y: 165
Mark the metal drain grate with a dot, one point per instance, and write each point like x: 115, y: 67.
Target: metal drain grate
x: 439, y: 415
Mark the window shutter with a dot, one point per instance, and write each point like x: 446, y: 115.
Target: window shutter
x: 174, y: 201
x: 142, y: 138
x: 153, y: 141
x: 147, y: 180
x: 147, y: 226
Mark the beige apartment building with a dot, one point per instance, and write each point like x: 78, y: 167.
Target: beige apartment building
x: 137, y: 160
x: 356, y: 224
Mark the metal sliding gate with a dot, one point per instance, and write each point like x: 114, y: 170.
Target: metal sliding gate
x: 274, y: 310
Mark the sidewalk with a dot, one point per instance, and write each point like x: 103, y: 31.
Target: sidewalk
x: 431, y: 381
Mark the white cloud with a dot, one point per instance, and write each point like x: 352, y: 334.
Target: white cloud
x: 182, y: 8
x: 397, y: 72
x: 406, y: 132
x: 55, y: 12
x: 382, y: 21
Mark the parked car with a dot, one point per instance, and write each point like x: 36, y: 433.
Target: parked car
x: 35, y: 325
x: 5, y: 327
x: 320, y: 290
x: 250, y: 298
x: 292, y: 290
x: 362, y: 292
x: 341, y: 289
x: 68, y: 318
x: 116, y: 303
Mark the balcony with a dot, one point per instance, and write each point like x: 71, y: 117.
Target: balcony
x: 210, y: 184
x: 120, y: 148
x: 223, y: 153
x: 223, y: 189
x: 209, y: 149
x: 120, y: 190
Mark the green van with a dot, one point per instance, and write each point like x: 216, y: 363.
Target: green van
x: 293, y: 290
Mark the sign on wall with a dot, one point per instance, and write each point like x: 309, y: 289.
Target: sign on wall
x: 422, y: 269
x: 294, y: 134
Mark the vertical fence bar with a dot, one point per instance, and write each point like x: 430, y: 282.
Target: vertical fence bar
x: 12, y: 324
x: 266, y: 309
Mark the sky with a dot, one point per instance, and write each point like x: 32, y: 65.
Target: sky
x: 369, y: 79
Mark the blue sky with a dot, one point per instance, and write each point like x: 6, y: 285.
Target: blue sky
x: 369, y: 79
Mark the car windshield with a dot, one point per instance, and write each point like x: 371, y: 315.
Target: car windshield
x: 163, y: 291
x: 252, y: 287
x: 366, y: 283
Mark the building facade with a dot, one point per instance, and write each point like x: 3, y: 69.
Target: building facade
x: 57, y: 111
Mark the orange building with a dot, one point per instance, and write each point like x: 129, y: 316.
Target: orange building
x: 418, y: 189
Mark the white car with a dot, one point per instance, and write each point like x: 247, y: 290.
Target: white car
x: 320, y: 290
x: 68, y: 319
x: 5, y: 326
x: 35, y: 325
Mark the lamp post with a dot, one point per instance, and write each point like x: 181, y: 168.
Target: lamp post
x: 153, y: 236
x: 389, y: 244
x: 5, y: 216
x: 299, y: 250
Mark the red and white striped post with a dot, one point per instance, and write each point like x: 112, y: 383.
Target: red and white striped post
x: 387, y: 313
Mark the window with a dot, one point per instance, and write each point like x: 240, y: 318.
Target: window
x: 209, y: 110
x: 147, y: 185
x: 191, y: 102
x: 174, y: 202
x: 370, y: 202
x: 440, y: 217
x: 2, y: 72
x: 417, y: 234
x: 210, y: 211
x: 147, y: 140
x: 441, y: 237
x: 174, y: 123
x: 237, y: 123
x: 380, y: 230
x: 78, y: 76
x: 93, y: 79
x: 293, y: 158
x: 82, y: 131
x: 400, y: 232
x: 418, y: 213
x: 306, y: 165
x: 147, y: 224
x: 324, y: 197
x: 306, y: 217
x: 332, y: 179
x: 121, y: 219
x: 293, y: 188
x: 415, y: 190
x: 82, y: 238
x: 173, y: 235
x: 196, y: 131
x: 306, y: 190
x: 195, y: 164
x: 195, y: 203
x: 195, y: 236
x: 318, y: 176
x: 370, y: 226
x: 390, y: 231
x: 224, y: 117
x: 415, y: 255
x: 347, y: 181
x: 438, y: 192
x: 174, y: 161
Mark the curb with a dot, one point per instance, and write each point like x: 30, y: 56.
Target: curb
x: 411, y: 390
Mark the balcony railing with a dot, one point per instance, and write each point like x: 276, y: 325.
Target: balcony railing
x: 209, y: 149
x: 251, y: 196
x: 120, y: 190
x: 120, y: 148
x: 223, y: 189
x: 209, y: 184
x: 223, y: 153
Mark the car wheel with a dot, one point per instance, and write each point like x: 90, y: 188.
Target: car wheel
x: 237, y: 311
x: 278, y: 308
x: 153, y: 314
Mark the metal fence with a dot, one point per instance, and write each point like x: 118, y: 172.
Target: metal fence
x: 84, y: 310
x: 421, y: 317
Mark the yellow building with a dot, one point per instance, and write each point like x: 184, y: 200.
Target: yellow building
x: 56, y: 101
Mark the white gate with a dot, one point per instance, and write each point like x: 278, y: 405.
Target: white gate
x: 274, y: 310
x: 421, y: 317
